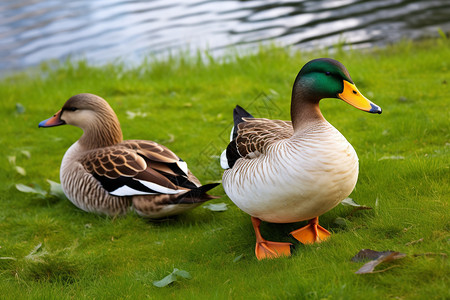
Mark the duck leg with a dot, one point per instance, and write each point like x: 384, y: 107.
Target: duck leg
x: 311, y: 233
x: 268, y: 249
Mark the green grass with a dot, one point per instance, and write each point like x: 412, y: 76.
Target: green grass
x: 404, y: 176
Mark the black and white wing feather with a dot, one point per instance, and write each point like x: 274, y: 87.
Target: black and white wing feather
x: 251, y: 136
x: 139, y: 168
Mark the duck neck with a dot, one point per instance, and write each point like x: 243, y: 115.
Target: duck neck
x: 305, y: 110
x: 103, y: 133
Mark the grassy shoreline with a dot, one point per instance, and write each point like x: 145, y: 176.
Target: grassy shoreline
x: 187, y: 105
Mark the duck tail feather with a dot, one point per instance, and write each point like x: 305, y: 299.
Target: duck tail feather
x: 238, y: 114
x: 197, y: 195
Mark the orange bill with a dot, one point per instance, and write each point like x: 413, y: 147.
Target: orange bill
x: 352, y: 96
x: 53, y: 121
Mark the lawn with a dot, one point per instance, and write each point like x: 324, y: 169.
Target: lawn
x: 49, y: 249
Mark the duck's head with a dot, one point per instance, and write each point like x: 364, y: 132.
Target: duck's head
x: 327, y: 78
x: 92, y: 114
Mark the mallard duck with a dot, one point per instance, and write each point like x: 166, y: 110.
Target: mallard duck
x: 104, y: 174
x: 283, y: 172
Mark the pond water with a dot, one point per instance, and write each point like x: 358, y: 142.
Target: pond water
x: 32, y: 31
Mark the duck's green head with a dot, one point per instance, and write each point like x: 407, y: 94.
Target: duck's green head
x: 327, y: 78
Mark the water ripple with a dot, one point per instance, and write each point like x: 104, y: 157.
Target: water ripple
x: 32, y: 31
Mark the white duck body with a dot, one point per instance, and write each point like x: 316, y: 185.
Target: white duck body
x: 297, y: 178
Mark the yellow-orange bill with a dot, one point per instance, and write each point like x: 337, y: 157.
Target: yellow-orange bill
x: 352, y: 96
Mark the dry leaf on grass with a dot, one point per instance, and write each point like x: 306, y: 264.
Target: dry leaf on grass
x: 375, y: 258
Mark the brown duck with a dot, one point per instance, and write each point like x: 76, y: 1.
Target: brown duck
x: 104, y: 174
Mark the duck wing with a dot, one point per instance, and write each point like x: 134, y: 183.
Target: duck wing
x: 139, y: 168
x: 255, y: 134
x: 251, y: 136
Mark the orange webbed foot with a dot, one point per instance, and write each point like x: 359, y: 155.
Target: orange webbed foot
x: 267, y: 249
x: 311, y: 233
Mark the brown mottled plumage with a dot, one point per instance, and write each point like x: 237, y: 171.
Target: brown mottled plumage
x: 101, y: 173
x: 255, y: 134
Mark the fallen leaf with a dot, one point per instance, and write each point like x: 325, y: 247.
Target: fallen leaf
x: 28, y: 189
x: 351, y: 202
x: 368, y: 254
x: 377, y: 271
x: 165, y: 281
x: 56, y: 189
x: 172, y: 277
x: 216, y: 206
x: 26, y: 153
x: 182, y: 273
x: 20, y: 170
x: 20, y: 109
x: 356, y: 206
x: 375, y: 258
x: 273, y: 92
x: 12, y: 160
x: 238, y: 258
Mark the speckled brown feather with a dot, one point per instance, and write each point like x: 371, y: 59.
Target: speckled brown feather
x: 113, y: 162
x: 255, y: 134
x: 152, y: 151
x: 137, y: 159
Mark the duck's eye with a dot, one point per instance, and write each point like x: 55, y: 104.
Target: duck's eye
x: 72, y: 108
x: 328, y: 73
